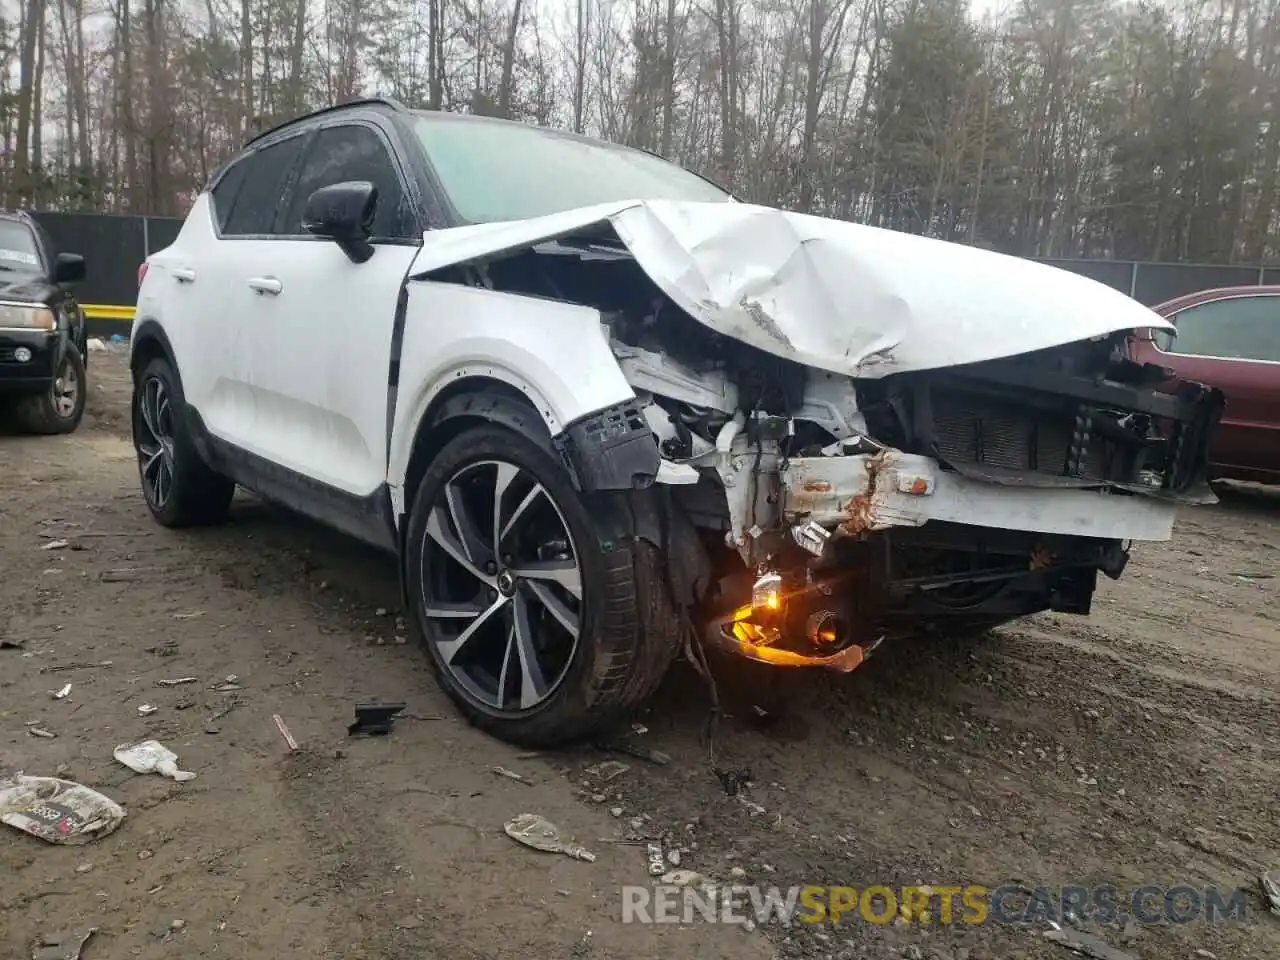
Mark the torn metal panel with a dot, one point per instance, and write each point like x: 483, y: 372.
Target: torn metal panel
x: 838, y: 296
x: 893, y: 489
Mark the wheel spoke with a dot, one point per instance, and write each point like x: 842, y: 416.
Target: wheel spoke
x: 533, y: 685
x: 501, y: 698
x: 469, y: 537
x: 567, y: 618
x: 449, y: 648
x: 437, y: 531
x: 453, y: 611
x: 503, y: 474
x: 154, y: 458
x: 163, y: 483
x: 524, y: 505
x: 148, y: 419
x: 563, y: 572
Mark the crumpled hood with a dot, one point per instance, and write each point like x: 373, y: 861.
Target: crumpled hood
x: 839, y: 296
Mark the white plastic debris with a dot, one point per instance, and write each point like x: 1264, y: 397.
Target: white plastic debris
x: 61, y: 694
x: 151, y: 756
x: 96, y: 345
x: 608, y: 770
x: 146, y: 709
x: 684, y: 878
x: 657, y: 861
x: 59, y: 811
x: 541, y: 834
x: 1271, y: 888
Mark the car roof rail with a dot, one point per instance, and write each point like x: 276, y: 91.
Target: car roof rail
x: 388, y: 102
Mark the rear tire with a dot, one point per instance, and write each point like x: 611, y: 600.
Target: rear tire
x: 60, y: 408
x: 180, y: 488
x: 545, y: 619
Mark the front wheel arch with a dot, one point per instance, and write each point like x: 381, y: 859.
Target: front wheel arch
x: 470, y: 402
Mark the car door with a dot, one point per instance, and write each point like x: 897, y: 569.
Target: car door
x: 316, y: 339
x: 209, y: 309
x: 1233, y: 343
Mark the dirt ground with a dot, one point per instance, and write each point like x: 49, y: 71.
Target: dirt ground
x: 1140, y: 745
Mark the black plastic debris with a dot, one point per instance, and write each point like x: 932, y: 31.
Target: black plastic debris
x: 733, y: 780
x: 374, y: 718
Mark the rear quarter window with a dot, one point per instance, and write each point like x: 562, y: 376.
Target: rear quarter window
x: 1237, y: 328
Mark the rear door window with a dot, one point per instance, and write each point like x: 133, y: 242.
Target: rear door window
x: 255, y: 193
x: 1237, y: 328
x: 354, y: 152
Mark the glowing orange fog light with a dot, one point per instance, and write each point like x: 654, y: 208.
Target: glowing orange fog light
x: 766, y: 594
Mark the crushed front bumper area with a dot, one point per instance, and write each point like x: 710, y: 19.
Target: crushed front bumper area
x: 867, y: 492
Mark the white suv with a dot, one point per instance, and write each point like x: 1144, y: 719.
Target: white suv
x: 601, y: 411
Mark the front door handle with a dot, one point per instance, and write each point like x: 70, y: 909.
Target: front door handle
x: 184, y: 275
x: 265, y: 285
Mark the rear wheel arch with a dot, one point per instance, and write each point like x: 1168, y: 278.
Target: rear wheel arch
x: 149, y: 342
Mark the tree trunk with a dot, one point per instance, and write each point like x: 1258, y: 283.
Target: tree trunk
x: 37, y: 117
x: 580, y: 64
x: 669, y: 80
x: 508, y: 61
x: 246, y: 71
x: 126, y: 94
x: 20, y: 192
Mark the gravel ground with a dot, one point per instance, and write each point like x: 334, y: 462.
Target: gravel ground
x: 1140, y: 745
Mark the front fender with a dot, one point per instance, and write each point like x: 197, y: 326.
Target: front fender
x: 556, y: 354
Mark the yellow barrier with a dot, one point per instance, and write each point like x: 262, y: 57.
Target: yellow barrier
x: 106, y: 311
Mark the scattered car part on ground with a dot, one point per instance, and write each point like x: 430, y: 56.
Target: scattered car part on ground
x: 65, y: 945
x: 1228, y: 338
x: 285, y: 732
x: 375, y: 718
x: 42, y: 331
x: 539, y: 833
x: 57, y: 810
x: 656, y: 418
x: 151, y: 756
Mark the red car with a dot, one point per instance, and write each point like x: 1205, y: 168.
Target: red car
x: 1228, y: 338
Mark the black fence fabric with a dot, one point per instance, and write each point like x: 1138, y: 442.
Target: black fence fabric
x: 113, y: 246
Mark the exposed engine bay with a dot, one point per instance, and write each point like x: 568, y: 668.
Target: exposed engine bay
x: 830, y: 511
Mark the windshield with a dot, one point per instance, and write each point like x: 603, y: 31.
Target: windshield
x: 18, y: 246
x: 509, y: 171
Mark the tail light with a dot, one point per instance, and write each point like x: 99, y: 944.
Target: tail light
x: 142, y: 272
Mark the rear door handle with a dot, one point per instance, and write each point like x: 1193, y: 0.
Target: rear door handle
x: 267, y: 285
x: 184, y: 275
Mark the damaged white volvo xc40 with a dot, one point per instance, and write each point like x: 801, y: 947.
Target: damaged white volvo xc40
x: 602, y: 412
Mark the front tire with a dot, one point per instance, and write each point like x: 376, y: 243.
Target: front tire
x: 60, y: 408
x: 180, y: 488
x: 543, y: 617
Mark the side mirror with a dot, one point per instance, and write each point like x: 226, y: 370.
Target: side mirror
x: 68, y: 268
x: 343, y: 213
